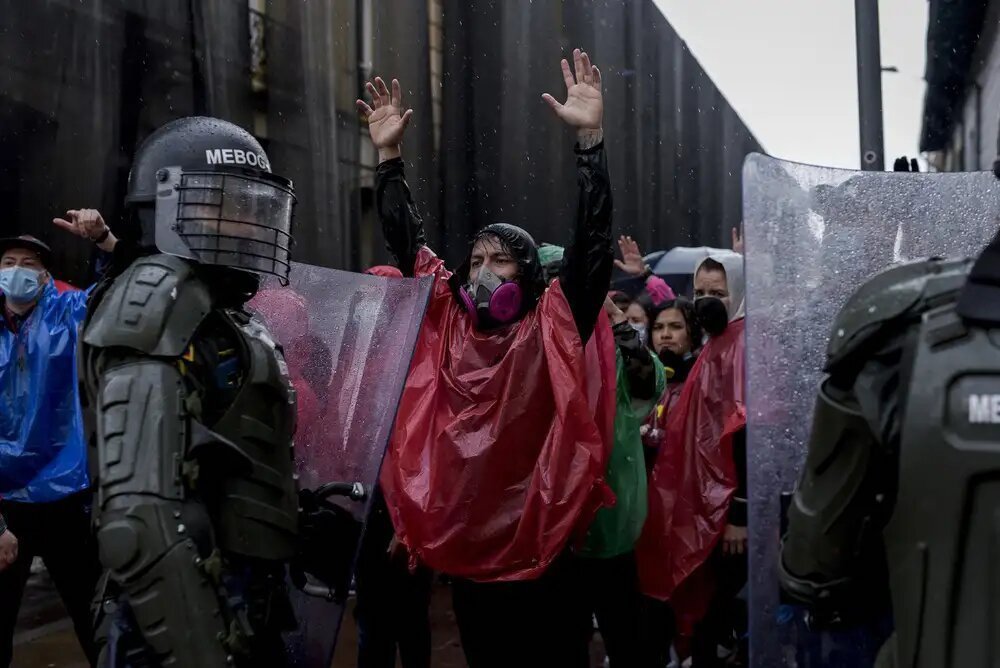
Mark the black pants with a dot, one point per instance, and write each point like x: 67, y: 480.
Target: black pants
x: 59, y: 533
x: 392, y: 603
x: 726, y: 613
x: 610, y: 591
x: 532, y: 624
x: 658, y: 628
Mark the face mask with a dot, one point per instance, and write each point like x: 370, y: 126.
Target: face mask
x: 712, y: 315
x: 640, y: 330
x: 676, y: 366
x: 20, y: 285
x: 491, y: 300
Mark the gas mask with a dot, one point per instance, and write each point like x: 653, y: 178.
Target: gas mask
x: 712, y: 315
x: 491, y: 301
x: 21, y: 285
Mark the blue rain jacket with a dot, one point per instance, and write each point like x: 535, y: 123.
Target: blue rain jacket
x: 43, y: 454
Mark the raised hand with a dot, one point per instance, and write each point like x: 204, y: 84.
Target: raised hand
x: 631, y: 262
x: 86, y: 223
x: 737, y: 241
x: 89, y: 224
x: 584, y: 106
x: 386, y: 119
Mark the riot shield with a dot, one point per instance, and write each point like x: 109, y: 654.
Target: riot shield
x: 813, y: 236
x: 348, y: 339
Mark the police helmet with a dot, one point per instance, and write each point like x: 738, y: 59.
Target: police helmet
x: 202, y: 188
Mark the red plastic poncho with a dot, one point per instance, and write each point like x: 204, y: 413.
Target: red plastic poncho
x: 63, y: 286
x: 496, y: 460
x: 694, y: 476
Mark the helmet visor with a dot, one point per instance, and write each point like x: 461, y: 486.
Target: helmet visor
x: 241, y: 219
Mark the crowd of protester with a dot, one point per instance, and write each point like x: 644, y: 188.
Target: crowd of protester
x: 554, y: 450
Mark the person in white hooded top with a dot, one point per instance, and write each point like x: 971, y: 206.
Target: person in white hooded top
x: 721, y: 276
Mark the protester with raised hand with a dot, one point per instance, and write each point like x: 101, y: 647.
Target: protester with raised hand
x: 496, y: 462
x: 44, y: 474
x: 633, y: 264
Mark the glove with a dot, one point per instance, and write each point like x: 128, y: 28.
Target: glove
x: 659, y: 291
x: 328, y: 540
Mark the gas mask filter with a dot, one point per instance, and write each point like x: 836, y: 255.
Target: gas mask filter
x: 491, y: 301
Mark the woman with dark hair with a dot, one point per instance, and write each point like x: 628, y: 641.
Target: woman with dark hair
x: 675, y: 336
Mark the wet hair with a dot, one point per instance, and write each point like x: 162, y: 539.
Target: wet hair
x: 686, y: 307
x: 711, y: 265
x: 643, y: 300
x: 622, y: 300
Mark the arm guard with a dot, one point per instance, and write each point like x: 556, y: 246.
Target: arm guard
x: 152, y: 538
x: 830, y: 519
x: 832, y: 553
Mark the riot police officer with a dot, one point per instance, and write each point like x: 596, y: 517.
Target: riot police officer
x: 196, y: 510
x: 900, y: 477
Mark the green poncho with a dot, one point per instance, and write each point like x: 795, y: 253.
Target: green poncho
x: 616, y: 528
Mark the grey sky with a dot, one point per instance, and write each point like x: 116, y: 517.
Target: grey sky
x: 788, y: 67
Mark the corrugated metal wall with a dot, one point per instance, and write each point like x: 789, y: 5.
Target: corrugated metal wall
x: 81, y: 84
x: 676, y: 146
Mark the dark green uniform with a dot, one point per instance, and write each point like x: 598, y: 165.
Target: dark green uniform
x: 901, y: 474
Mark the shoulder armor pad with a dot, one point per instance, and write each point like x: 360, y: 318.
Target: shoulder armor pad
x: 904, y: 290
x: 154, y: 307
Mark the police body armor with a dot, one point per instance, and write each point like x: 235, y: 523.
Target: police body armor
x: 196, y: 505
x: 902, y: 468
x: 943, y: 540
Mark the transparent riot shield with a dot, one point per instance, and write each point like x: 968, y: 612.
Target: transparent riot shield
x: 814, y: 235
x: 348, y: 339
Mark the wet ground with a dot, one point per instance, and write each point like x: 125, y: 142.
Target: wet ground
x: 44, y: 637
